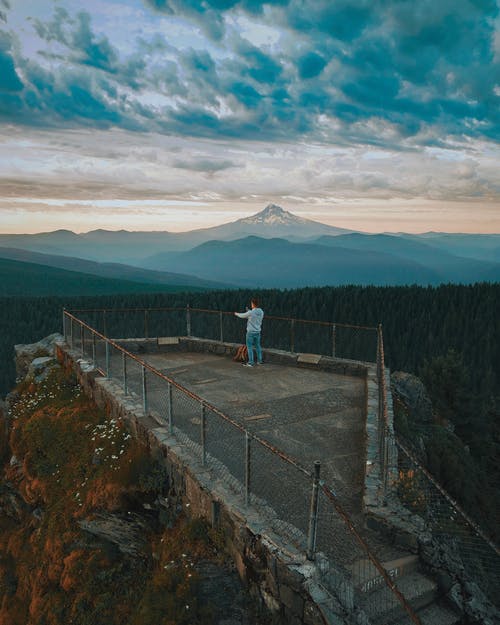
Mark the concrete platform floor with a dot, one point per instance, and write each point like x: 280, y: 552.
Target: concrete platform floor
x: 310, y: 415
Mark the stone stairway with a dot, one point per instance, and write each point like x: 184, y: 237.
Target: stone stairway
x: 419, y: 589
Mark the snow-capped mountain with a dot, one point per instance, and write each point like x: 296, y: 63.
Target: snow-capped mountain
x: 273, y: 214
x: 272, y: 222
x: 128, y: 247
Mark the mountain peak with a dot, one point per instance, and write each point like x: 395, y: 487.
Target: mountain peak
x: 273, y: 215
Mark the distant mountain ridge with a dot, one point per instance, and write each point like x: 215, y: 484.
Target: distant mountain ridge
x: 127, y: 247
x: 293, y: 251
x: 256, y: 262
x: 448, y: 266
x: 29, y: 279
x: 116, y: 271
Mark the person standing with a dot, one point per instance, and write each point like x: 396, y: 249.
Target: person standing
x: 254, y: 318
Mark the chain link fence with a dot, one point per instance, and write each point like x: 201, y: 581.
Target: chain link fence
x: 292, y: 335
x: 263, y: 477
x: 462, y: 543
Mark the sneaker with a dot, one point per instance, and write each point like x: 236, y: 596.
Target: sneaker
x: 260, y: 363
x: 247, y: 364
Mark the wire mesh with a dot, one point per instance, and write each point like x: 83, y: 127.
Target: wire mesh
x: 340, y: 549
x: 119, y: 324
x: 277, y: 333
x: 165, y: 322
x: 87, y: 343
x: 233, y: 329
x: 100, y: 353
x: 186, y: 418
x: 465, y: 545
x: 355, y: 343
x: 205, y: 324
x: 76, y: 333
x: 115, y: 364
x: 348, y: 571
x: 312, y: 338
x: 282, y: 487
x: 158, y: 398
x: 225, y: 446
x: 65, y: 326
x: 134, y: 379
x: 279, y: 489
x: 93, y: 318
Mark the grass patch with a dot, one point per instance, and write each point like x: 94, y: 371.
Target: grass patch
x: 73, y: 460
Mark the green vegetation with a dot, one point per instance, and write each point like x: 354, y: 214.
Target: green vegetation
x: 449, y: 335
x: 19, y: 279
x: 75, y: 462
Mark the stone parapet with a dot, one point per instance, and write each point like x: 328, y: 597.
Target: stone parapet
x: 277, y: 574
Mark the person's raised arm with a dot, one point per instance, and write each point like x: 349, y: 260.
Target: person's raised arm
x: 244, y: 315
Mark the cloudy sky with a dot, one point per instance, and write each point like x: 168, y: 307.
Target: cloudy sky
x: 377, y: 115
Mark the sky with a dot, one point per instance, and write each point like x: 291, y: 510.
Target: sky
x: 375, y: 115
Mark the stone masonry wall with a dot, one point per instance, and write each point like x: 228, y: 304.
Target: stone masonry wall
x: 277, y: 575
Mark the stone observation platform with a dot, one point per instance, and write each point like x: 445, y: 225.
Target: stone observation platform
x: 309, y: 414
x: 285, y: 458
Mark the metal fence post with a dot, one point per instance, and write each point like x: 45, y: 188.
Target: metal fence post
x: 124, y: 370
x: 188, y: 320
x: 247, y: 467
x: 203, y: 434
x: 313, y: 513
x: 379, y: 382
x: 146, y: 325
x: 144, y: 391
x: 385, y: 464
x: 82, y: 340
x: 170, y: 414
x: 334, y: 340
x: 292, y: 335
x: 93, y: 349
x: 107, y: 359
x: 221, y: 330
x: 64, y: 323
x: 382, y: 421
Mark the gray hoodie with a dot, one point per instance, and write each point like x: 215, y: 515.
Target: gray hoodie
x: 254, y: 317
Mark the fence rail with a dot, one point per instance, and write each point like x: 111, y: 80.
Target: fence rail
x: 287, y: 333
x: 293, y: 499
x: 297, y: 504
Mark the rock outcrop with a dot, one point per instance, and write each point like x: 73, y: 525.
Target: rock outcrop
x: 413, y: 393
x: 442, y: 557
x: 26, y: 354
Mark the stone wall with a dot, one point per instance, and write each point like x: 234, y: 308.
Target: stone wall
x: 276, y: 574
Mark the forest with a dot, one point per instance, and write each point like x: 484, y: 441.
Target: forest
x: 448, y: 335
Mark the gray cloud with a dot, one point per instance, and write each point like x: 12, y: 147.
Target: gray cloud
x: 205, y: 165
x: 427, y: 72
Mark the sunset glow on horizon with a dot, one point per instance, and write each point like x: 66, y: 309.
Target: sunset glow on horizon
x: 165, y: 115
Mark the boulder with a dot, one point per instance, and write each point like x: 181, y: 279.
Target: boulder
x: 40, y: 368
x: 443, y: 559
x: 26, y: 354
x: 127, y: 532
x: 413, y: 393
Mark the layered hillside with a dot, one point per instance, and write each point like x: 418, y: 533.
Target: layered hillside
x: 89, y: 531
x: 31, y: 279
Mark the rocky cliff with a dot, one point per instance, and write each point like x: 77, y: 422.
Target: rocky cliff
x: 90, y: 530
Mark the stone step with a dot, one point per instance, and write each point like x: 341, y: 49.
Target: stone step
x: 383, y: 607
x: 435, y: 614
x: 366, y: 577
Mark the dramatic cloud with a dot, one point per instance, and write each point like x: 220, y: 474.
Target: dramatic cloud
x: 428, y: 71
x: 416, y: 82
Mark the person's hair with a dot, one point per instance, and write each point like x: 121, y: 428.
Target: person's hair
x: 255, y: 301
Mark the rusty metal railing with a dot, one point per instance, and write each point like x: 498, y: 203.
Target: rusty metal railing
x: 294, y: 500
x: 347, y: 341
